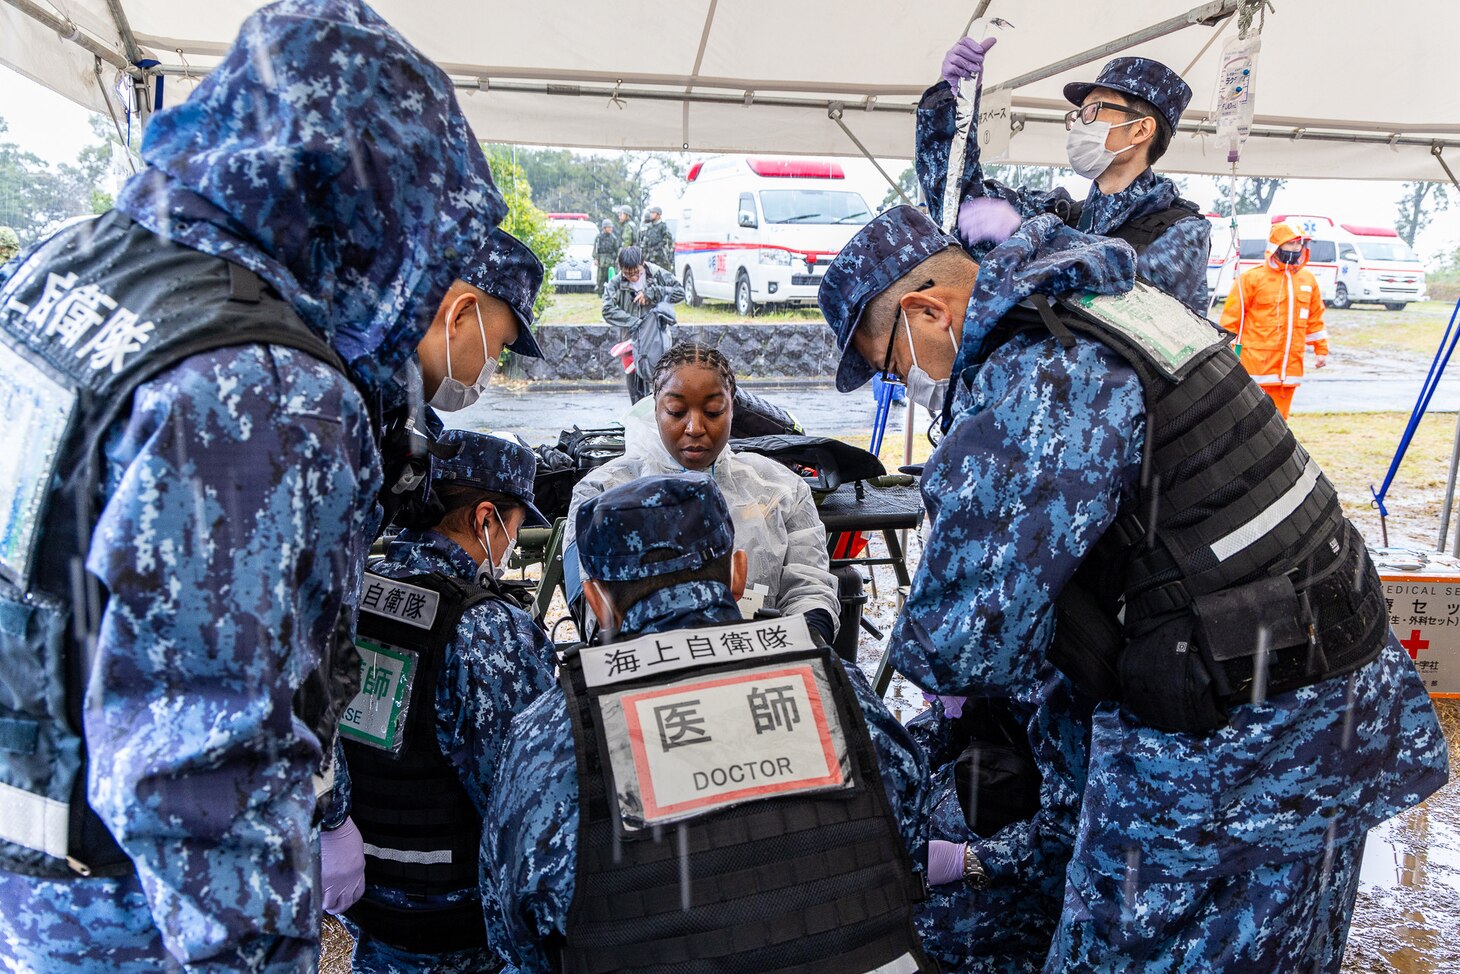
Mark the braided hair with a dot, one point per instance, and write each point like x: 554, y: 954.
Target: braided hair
x: 694, y: 353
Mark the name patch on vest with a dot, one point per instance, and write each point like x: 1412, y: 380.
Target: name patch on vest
x: 377, y: 715
x: 411, y: 604
x: 38, y: 410
x: 665, y: 652
x: 698, y: 745
x: 1164, y: 328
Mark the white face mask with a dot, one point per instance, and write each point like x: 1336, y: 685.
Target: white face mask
x: 1085, y: 145
x: 498, y: 568
x: 453, y: 394
x: 922, y: 388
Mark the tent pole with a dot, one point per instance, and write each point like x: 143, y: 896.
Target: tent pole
x: 834, y: 112
x: 1207, y: 13
x: 1450, y: 492
x: 69, y: 31
x: 1438, y: 151
x: 140, y: 91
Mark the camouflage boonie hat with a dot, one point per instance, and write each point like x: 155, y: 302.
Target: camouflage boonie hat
x: 1142, y: 78
x: 508, y: 270
x: 490, y: 463
x: 653, y: 526
x: 872, y: 261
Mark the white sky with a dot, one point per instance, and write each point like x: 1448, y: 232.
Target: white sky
x: 56, y: 129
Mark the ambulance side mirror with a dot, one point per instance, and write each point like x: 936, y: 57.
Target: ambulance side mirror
x: 747, y: 218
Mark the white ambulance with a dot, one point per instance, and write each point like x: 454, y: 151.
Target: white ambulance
x: 1354, y: 264
x: 758, y: 231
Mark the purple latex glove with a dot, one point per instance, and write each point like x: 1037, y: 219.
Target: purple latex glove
x: 952, y: 706
x: 964, y: 60
x: 987, y: 218
x: 945, y: 862
x: 342, y: 866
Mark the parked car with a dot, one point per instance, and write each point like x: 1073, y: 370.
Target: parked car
x: 758, y: 231
x: 575, y: 271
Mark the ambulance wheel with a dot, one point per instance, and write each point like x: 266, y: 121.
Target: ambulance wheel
x: 744, y: 303
x: 1394, y: 305
x: 691, y: 296
x: 1340, y: 297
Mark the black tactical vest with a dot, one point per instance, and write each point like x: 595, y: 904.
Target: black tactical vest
x: 815, y: 883
x: 420, y: 828
x: 1239, y: 574
x: 1140, y: 232
x: 96, y: 311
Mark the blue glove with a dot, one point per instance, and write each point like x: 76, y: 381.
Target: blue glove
x: 965, y: 59
x: 945, y: 862
x: 987, y: 218
x: 342, y: 866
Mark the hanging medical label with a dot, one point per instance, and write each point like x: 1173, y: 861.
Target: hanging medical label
x: 688, y: 748
x: 38, y: 410
x: 377, y: 715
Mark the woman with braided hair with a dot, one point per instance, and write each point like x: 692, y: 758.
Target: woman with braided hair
x: 687, y: 430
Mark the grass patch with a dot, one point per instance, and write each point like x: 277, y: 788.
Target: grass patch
x: 1414, y: 331
x: 587, y: 309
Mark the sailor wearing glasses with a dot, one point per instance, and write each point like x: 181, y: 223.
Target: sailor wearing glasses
x: 1122, y: 125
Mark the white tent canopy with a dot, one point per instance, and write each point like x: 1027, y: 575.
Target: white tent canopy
x: 1345, y: 88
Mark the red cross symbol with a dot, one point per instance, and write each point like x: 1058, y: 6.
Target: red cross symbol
x: 1414, y: 644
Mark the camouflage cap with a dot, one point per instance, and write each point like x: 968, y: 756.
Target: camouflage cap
x: 892, y: 244
x: 9, y: 244
x: 492, y: 463
x: 1143, y: 78
x: 653, y: 526
x: 507, y: 269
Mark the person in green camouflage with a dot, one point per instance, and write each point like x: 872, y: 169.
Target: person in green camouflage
x: 628, y: 227
x: 605, y: 252
x: 658, y: 240
x: 9, y: 244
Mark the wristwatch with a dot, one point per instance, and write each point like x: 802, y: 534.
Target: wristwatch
x: 973, y: 871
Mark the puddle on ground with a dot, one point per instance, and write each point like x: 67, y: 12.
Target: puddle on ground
x: 1407, y: 917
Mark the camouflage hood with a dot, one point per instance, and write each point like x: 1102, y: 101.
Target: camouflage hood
x: 329, y: 156
x: 1044, y: 256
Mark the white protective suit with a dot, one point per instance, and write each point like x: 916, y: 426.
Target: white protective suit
x: 775, y: 518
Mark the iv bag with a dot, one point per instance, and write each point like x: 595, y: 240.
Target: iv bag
x: 1235, y: 92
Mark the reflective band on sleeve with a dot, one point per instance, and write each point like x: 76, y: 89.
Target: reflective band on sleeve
x: 906, y: 964
x: 1318, y: 336
x: 414, y: 856
x: 1249, y: 533
x: 33, y: 821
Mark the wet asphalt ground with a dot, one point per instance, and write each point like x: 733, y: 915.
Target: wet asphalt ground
x: 1353, y: 382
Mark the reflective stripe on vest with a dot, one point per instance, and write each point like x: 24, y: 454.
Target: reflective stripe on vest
x: 433, y: 857
x: 906, y: 964
x: 1270, y: 517
x: 34, y: 821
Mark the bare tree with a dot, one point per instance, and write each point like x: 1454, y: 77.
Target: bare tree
x: 1412, y: 215
x: 1255, y: 195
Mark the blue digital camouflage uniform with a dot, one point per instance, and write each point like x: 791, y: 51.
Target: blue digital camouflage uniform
x: 1044, y: 444
x: 498, y: 663
x: 530, y: 841
x: 1176, y: 261
x: 239, y: 492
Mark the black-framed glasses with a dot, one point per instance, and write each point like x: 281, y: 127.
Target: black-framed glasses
x: 1088, y: 113
x: 892, y: 337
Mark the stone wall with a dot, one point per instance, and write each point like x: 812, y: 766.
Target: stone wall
x: 580, y: 352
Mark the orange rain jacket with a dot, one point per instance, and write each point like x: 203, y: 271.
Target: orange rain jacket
x: 1276, y: 310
